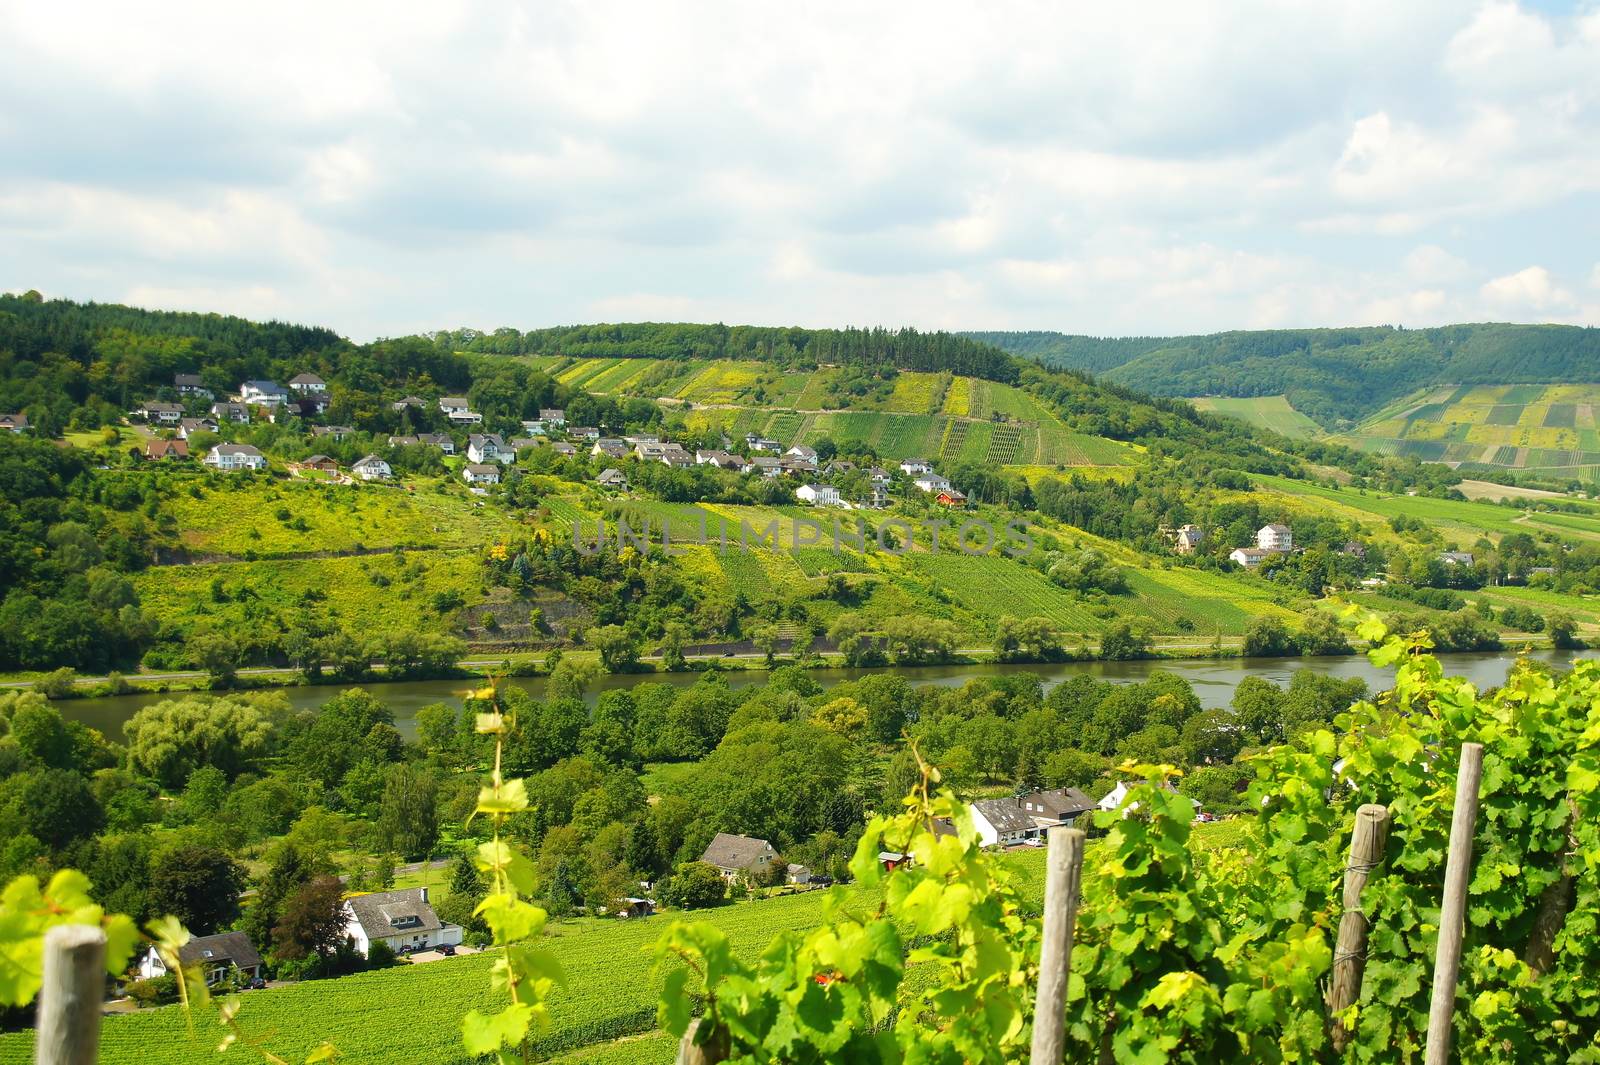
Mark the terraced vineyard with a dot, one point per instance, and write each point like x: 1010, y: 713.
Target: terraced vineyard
x: 1551, y: 428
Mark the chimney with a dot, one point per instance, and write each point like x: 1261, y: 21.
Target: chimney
x: 424, y: 891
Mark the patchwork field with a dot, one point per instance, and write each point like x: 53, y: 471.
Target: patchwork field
x: 1268, y: 412
x: 1548, y: 428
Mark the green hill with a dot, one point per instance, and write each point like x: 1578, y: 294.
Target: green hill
x: 1334, y: 376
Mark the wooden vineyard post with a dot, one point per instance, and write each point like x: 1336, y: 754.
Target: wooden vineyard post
x: 1063, y: 881
x: 71, y: 996
x: 1350, y: 951
x: 714, y: 1051
x: 1453, y: 912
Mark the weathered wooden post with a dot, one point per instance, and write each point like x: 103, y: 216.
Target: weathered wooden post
x: 1350, y: 950
x: 714, y: 1051
x: 1063, y: 881
x: 71, y: 997
x: 1453, y: 912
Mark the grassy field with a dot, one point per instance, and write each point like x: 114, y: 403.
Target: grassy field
x: 1268, y: 412
x: 230, y: 516
x: 1551, y: 428
x: 412, y: 1013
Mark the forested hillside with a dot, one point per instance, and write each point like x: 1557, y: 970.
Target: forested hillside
x: 1336, y: 376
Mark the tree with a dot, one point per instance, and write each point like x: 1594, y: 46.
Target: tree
x: 173, y: 738
x: 291, y: 869
x: 914, y: 639
x: 1211, y: 737
x: 1123, y: 641
x: 437, y: 728
x: 408, y: 821
x: 1268, y: 637
x: 1258, y: 707
x: 673, y: 637
x: 218, y: 655
x: 619, y: 648
x: 352, y: 727
x: 312, y: 922
x: 1563, y: 630
x: 842, y: 716
x: 56, y: 807
x: 765, y: 638
x: 1321, y: 635
x: 1032, y: 639
x: 694, y: 886
x: 199, y: 885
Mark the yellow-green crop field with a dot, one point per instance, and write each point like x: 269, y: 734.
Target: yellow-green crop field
x: 1268, y: 412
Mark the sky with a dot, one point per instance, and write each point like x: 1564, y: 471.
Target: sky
x: 1101, y: 168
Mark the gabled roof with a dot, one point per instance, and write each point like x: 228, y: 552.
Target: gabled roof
x: 1276, y: 527
x: 236, y: 449
x: 370, y: 460
x: 1006, y: 815
x: 186, y: 380
x: 306, y: 379
x: 160, y: 449
x: 226, y: 948
x: 611, y: 477
x: 728, y: 851
x: 479, y: 469
x: 389, y: 913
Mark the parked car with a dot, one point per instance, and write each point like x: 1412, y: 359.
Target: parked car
x: 447, y: 950
x: 256, y: 984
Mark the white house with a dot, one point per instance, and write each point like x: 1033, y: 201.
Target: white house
x: 764, y: 465
x: 1027, y: 816
x: 913, y: 467
x: 441, y: 441
x: 489, y: 447
x: 458, y: 410
x: 158, y: 413
x: 1249, y: 557
x: 1114, y: 798
x: 818, y: 495
x: 308, y: 383
x: 236, y: 457
x: 612, y: 478
x: 801, y: 451
x: 215, y: 955
x: 761, y: 443
x: 720, y: 459
x: 1275, y: 537
x: 189, y: 384
x: 262, y: 394
x: 399, y: 918
x: 675, y: 456
x: 932, y: 483
x: 188, y: 426
x: 553, y: 416
x: 480, y: 473
x: 231, y: 411
x: 372, y: 468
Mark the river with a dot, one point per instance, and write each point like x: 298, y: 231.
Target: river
x: 1213, y: 681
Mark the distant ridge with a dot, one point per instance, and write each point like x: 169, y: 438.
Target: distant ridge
x: 1335, y: 376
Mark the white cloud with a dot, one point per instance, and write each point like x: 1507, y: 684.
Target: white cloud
x: 1020, y: 164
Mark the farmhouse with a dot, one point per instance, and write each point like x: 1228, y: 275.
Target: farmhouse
x: 818, y: 495
x: 1027, y: 816
x: 722, y: 460
x: 216, y: 956
x: 189, y: 384
x: 733, y: 855
x: 1275, y: 537
x: 765, y: 466
x: 488, y: 447
x: 1187, y: 539
x: 166, y: 449
x: 308, y: 383
x: 13, y: 423
x: 399, y: 918
x: 480, y: 473
x: 372, y: 468
x: 160, y: 413
x: 188, y: 426
x: 262, y: 394
x: 1114, y: 798
x: 458, y: 410
x: 236, y: 457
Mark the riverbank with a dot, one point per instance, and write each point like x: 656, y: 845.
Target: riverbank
x: 1213, y: 680
x: 531, y: 664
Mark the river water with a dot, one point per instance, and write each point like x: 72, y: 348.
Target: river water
x: 1213, y: 681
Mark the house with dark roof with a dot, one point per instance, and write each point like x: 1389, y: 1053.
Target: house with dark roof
x: 187, y: 426
x: 231, y: 411
x: 308, y: 382
x: 476, y: 473
x: 734, y: 856
x: 612, y: 478
x: 157, y: 412
x: 14, y: 423
x: 189, y: 384
x: 216, y: 956
x: 1029, y: 816
x: 400, y: 918
x: 235, y: 457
